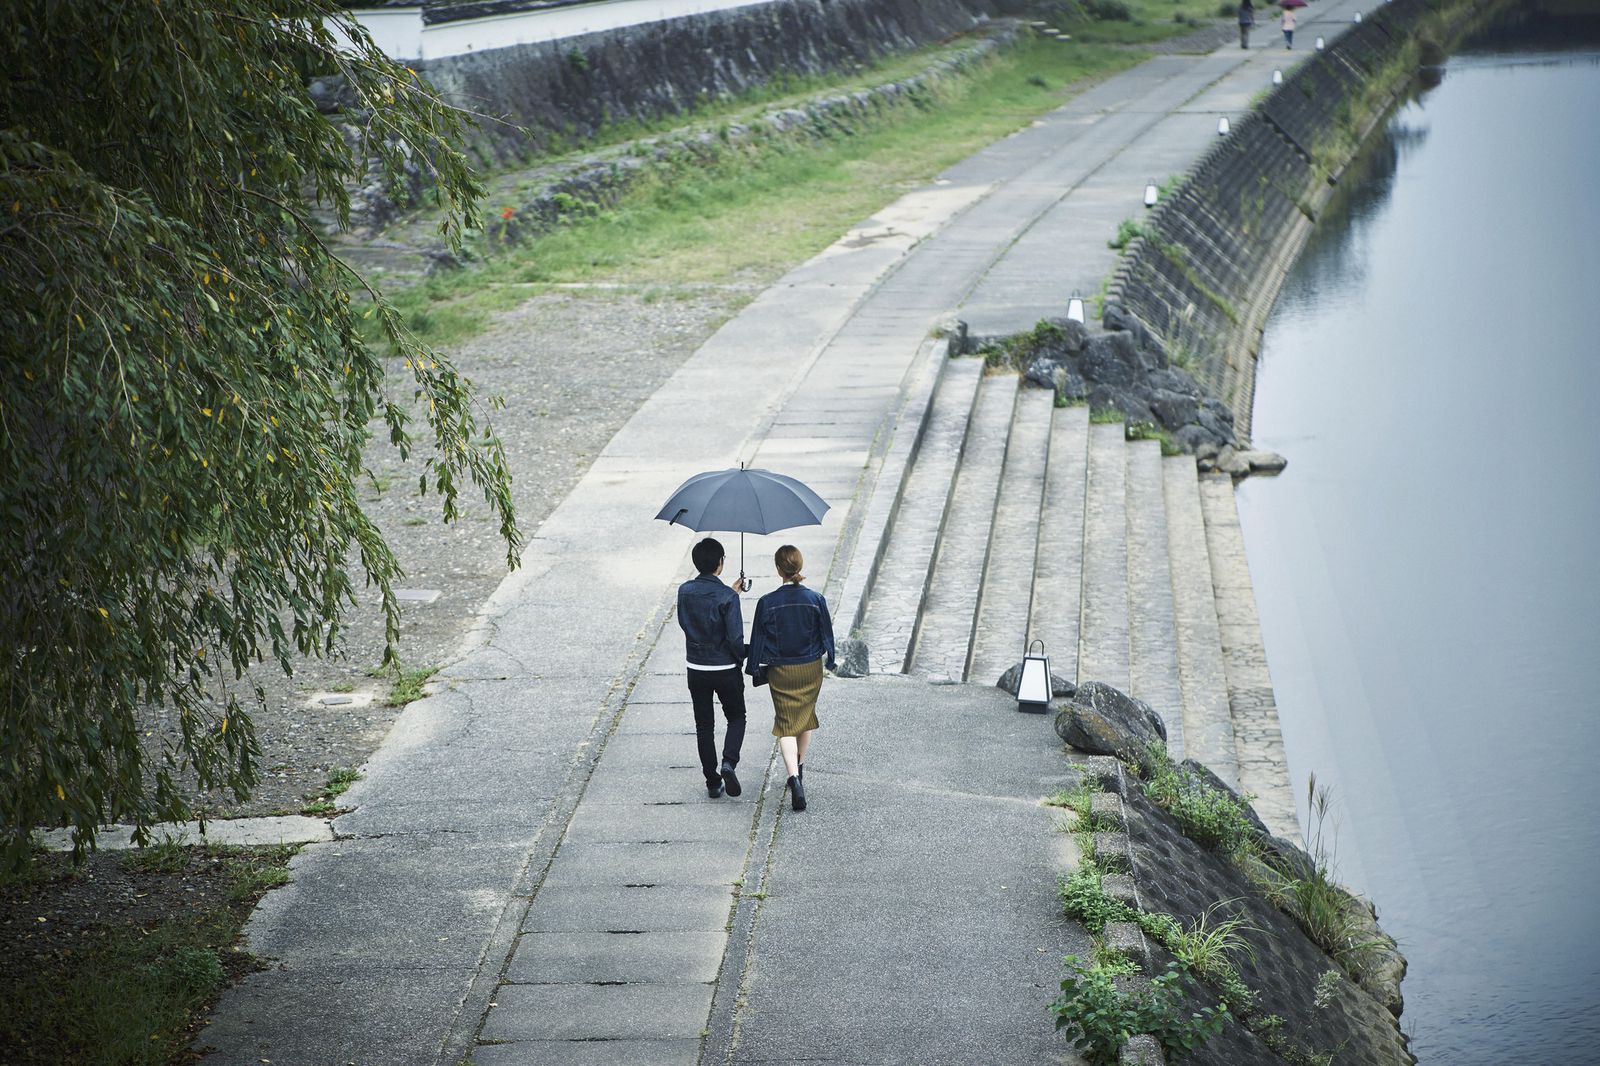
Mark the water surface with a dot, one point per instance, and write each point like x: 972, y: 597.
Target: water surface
x: 1427, y: 569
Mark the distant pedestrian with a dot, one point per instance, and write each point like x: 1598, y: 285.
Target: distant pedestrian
x: 713, y: 636
x: 1247, y: 18
x: 791, y: 641
x: 1288, y: 28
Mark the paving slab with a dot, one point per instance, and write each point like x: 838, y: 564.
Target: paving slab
x: 631, y: 1011
x: 616, y: 958
x: 1058, y: 569
x: 659, y: 908
x: 682, y: 1052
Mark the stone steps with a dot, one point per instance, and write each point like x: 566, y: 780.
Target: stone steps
x: 1019, y: 521
x: 942, y: 643
x: 1001, y: 630
x: 902, y: 578
x: 1153, y: 674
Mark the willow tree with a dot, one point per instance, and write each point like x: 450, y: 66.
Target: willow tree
x: 186, y: 395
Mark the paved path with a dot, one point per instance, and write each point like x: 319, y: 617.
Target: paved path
x: 534, y: 831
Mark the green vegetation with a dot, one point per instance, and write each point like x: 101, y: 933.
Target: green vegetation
x: 1209, y: 817
x: 1128, y: 230
x: 339, y: 781
x: 1137, y: 21
x: 131, y: 990
x: 1101, y: 1019
x: 188, y: 398
x: 748, y: 210
x: 406, y: 685
x: 1151, y: 431
x: 1208, y: 945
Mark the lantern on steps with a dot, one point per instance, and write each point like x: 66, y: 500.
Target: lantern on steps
x: 1222, y: 126
x: 1358, y: 16
x: 1319, y: 44
x: 1033, y: 687
x: 1151, y: 194
x: 1277, y: 77
x: 1075, y: 308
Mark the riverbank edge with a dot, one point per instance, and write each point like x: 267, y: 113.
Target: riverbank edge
x: 1201, y: 278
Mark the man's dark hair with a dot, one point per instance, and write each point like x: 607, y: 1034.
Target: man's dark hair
x: 707, y: 554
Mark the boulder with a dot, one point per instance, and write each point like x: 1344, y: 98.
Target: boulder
x: 851, y: 660
x: 1102, y: 720
x: 1264, y: 462
x: 1060, y: 687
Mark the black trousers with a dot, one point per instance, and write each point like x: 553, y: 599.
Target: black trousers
x: 728, y: 685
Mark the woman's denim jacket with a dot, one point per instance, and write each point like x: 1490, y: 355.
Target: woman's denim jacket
x: 792, y: 626
x: 713, y: 627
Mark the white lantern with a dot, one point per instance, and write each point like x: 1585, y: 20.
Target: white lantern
x: 1222, y: 126
x: 1319, y: 44
x: 1075, y: 308
x: 1277, y: 77
x: 1151, y: 193
x: 1033, y: 689
x: 1358, y: 16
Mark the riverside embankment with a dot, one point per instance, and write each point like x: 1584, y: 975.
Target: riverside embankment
x: 1203, y: 275
x: 526, y: 805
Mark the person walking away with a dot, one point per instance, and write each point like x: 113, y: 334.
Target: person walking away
x: 1247, y: 18
x: 1288, y: 28
x: 713, y: 637
x: 791, y: 642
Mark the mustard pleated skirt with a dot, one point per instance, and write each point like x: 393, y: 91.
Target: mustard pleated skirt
x: 794, y: 697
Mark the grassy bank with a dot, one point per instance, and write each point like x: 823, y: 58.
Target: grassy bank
x: 745, y: 211
x: 116, y: 961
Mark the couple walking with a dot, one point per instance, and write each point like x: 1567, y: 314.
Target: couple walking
x: 791, y: 641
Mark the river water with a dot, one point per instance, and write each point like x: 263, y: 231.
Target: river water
x: 1428, y: 567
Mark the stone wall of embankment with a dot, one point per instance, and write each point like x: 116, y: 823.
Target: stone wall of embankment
x: 566, y: 89
x: 1202, y: 279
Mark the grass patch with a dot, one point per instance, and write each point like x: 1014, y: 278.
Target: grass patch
x: 338, y: 783
x: 1128, y: 230
x: 1137, y: 21
x: 126, y: 978
x: 405, y: 686
x: 748, y: 211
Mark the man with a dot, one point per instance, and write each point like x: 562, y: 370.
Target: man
x: 713, y: 635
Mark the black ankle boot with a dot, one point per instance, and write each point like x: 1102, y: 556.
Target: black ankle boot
x: 797, y: 794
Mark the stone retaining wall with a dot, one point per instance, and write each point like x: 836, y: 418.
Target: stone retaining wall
x: 1203, y: 278
x: 569, y: 88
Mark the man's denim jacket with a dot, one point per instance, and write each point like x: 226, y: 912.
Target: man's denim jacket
x: 713, y: 626
x: 791, y: 626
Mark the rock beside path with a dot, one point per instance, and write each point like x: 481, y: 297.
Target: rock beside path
x: 1102, y: 720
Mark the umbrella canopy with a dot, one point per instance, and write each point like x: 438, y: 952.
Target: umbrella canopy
x: 743, y: 501
x: 1292, y: 3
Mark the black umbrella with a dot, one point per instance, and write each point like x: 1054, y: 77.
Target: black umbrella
x: 743, y: 501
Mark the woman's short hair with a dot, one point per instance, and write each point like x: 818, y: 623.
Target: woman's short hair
x: 707, y: 554
x: 788, y: 560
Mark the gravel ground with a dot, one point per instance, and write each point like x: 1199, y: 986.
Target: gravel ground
x: 573, y: 365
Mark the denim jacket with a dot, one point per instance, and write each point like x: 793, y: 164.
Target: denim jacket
x: 713, y: 627
x: 792, y: 626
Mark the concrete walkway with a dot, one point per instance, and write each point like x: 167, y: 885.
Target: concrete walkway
x: 532, y: 872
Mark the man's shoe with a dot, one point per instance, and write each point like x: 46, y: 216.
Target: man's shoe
x: 797, y: 795
x: 730, y: 780
x: 714, y: 790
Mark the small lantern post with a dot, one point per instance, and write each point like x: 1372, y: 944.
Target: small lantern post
x: 1033, y: 688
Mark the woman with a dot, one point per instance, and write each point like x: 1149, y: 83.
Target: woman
x: 1288, y: 28
x: 791, y: 640
x: 1247, y: 18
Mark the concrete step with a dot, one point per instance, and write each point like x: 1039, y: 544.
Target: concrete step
x: 942, y: 642
x: 1058, y: 568
x: 1103, y: 628
x: 1207, y: 722
x: 1153, y: 674
x: 1001, y: 632
x: 1263, y: 768
x: 896, y: 594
